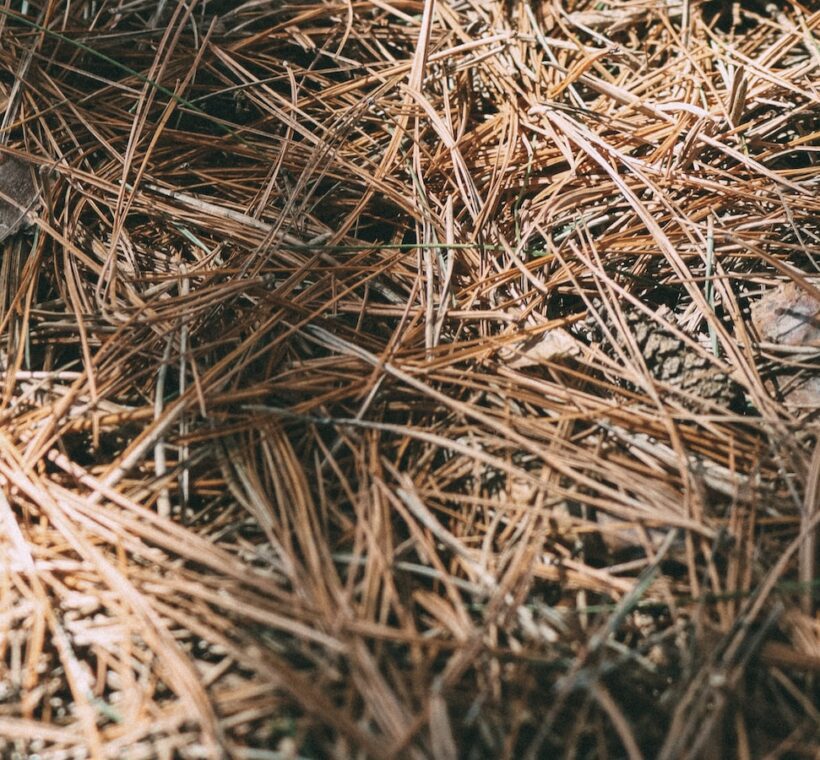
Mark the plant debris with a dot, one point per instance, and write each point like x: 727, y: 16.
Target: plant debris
x: 789, y: 316
x: 18, y: 194
x: 397, y: 379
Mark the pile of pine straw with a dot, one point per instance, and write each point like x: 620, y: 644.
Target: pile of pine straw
x: 303, y: 451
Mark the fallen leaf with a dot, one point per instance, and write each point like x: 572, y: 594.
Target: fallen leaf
x: 549, y: 345
x: 18, y: 194
x: 788, y: 315
x: 805, y: 394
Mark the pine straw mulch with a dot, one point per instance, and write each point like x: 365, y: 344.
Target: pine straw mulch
x: 330, y: 421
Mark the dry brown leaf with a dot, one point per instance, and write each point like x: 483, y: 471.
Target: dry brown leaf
x: 788, y: 315
x: 806, y: 394
x: 18, y: 194
x: 549, y: 345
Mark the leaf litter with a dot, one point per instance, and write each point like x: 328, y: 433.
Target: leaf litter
x: 363, y: 380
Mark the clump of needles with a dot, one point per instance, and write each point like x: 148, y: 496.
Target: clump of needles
x: 409, y: 379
